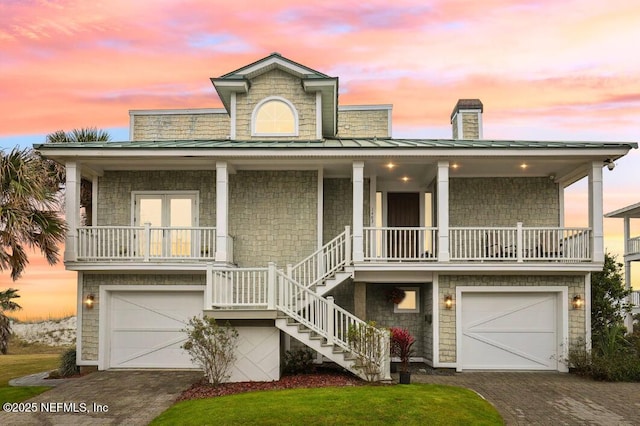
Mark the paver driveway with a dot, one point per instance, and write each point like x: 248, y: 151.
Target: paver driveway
x: 136, y: 397
x: 132, y: 398
x: 550, y: 398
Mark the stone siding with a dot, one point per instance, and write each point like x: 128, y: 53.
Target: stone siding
x: 91, y: 285
x: 448, y: 284
x: 181, y: 126
x: 470, y: 128
x: 343, y: 295
x: 273, y: 216
x: 382, y: 312
x: 364, y: 124
x: 114, y: 192
x: 276, y: 83
x: 503, y: 202
x: 338, y: 206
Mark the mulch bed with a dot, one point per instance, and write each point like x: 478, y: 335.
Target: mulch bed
x: 320, y: 379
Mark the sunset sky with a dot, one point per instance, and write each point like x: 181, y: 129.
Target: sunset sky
x: 544, y: 69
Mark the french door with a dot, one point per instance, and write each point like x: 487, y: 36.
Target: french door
x: 171, y: 217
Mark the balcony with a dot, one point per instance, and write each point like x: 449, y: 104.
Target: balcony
x: 633, y: 246
x: 147, y: 243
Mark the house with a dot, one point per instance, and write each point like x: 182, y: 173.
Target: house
x: 295, y: 218
x: 631, y: 254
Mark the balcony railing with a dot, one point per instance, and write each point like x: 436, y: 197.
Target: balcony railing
x: 634, y: 299
x: 520, y: 243
x: 400, y: 244
x: 633, y: 245
x: 146, y: 243
x: 515, y: 244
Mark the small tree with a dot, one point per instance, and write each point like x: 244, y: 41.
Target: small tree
x: 608, y: 307
x: 7, y: 305
x: 211, y: 347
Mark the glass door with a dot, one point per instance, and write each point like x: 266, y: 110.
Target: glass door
x: 171, y: 218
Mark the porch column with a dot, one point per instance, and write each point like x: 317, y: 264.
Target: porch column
x: 222, y: 211
x: 358, y: 206
x: 443, y: 211
x: 628, y: 320
x: 360, y: 300
x: 596, y: 213
x: 72, y: 210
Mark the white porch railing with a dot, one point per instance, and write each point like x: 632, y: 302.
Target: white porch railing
x: 400, y: 243
x: 520, y: 243
x: 326, y: 261
x: 243, y: 288
x: 145, y: 243
x: 633, y: 245
x: 634, y: 298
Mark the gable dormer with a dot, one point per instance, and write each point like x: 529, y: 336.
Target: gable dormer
x: 279, y: 98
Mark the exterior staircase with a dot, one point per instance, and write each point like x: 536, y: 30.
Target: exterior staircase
x: 303, y: 312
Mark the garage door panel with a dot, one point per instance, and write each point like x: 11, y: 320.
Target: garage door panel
x: 146, y: 328
x: 509, y: 331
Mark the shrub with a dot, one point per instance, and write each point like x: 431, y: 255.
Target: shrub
x: 211, y: 347
x: 299, y: 361
x: 370, y: 348
x: 401, y: 346
x: 68, y: 366
x: 616, y: 358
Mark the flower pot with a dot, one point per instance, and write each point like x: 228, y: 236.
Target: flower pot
x: 405, y: 378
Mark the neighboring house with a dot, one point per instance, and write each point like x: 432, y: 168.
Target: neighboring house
x: 631, y: 254
x: 286, y: 208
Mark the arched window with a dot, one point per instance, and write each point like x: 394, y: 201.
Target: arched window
x: 274, y: 116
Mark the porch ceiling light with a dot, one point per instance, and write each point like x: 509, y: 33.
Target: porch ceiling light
x: 390, y: 165
x: 524, y: 166
x: 448, y: 301
x: 405, y: 179
x: 89, y: 301
x: 455, y: 166
x: 577, y: 302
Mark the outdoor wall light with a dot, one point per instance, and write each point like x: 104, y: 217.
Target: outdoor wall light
x: 89, y: 300
x: 448, y: 301
x: 577, y: 302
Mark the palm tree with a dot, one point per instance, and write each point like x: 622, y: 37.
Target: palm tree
x: 29, y: 210
x: 86, y: 134
x: 6, y: 305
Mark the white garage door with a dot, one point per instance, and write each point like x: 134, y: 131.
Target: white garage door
x: 145, y: 328
x: 509, y: 331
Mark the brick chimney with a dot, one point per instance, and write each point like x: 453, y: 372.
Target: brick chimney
x: 466, y: 119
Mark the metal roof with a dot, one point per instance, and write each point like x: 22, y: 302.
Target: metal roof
x: 364, y: 143
x: 629, y: 211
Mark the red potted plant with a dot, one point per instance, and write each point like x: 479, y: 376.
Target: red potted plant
x: 401, y: 346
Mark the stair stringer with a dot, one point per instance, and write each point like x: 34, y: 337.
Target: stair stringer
x: 343, y: 358
x: 330, y: 283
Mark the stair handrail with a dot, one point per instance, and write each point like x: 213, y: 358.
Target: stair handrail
x: 324, y: 262
x: 323, y: 317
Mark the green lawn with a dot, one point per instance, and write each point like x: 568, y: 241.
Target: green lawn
x: 372, y: 405
x: 12, y: 366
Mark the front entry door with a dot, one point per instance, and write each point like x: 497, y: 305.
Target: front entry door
x: 403, y: 210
